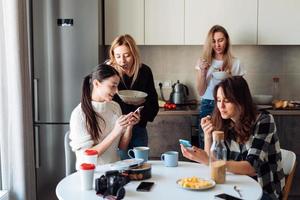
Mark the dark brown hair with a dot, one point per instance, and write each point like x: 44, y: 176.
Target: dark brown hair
x: 92, y: 118
x: 236, y: 90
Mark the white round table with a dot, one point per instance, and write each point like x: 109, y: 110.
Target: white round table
x: 165, y: 186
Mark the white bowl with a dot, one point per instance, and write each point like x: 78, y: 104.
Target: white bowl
x: 132, y: 96
x: 220, y: 75
x: 262, y: 99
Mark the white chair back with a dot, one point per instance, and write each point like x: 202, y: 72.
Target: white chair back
x: 70, y: 158
x: 289, y: 168
x: 288, y: 161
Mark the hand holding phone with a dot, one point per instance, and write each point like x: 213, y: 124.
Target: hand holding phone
x: 145, y: 186
x: 185, y: 143
x: 139, y: 109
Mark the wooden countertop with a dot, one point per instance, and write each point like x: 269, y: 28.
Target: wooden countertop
x: 162, y: 111
x: 284, y: 112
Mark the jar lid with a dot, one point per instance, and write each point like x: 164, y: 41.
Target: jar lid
x: 90, y: 152
x: 218, y: 135
x: 87, y: 166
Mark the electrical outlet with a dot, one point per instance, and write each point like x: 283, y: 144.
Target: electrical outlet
x: 167, y: 84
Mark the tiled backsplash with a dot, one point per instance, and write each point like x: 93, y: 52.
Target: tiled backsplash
x: 261, y: 63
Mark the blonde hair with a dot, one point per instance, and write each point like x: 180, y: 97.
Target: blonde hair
x: 129, y: 42
x: 208, y: 52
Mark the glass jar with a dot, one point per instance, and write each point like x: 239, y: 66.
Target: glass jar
x: 275, y: 89
x: 218, y: 157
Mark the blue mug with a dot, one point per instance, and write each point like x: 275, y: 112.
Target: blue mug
x: 139, y: 152
x: 170, y: 158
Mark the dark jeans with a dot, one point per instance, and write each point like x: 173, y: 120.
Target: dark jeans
x: 139, y: 138
x: 206, y: 108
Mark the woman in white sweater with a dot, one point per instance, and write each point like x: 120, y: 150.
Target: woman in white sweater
x: 97, y: 122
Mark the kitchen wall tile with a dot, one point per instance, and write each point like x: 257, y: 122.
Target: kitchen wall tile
x: 259, y: 83
x: 262, y: 63
x: 291, y: 59
x: 260, y: 59
x: 290, y: 85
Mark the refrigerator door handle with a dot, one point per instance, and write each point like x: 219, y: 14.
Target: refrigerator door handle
x: 36, y: 99
x: 37, y: 146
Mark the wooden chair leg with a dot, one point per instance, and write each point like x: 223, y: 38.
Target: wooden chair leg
x: 288, y: 183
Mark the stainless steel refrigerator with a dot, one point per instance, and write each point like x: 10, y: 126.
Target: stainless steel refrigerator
x: 66, y: 47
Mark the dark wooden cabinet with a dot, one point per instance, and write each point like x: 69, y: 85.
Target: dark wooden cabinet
x: 288, y: 129
x: 166, y: 130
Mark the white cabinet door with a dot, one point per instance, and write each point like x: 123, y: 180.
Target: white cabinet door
x: 124, y: 17
x: 164, y: 22
x: 279, y: 22
x: 238, y: 17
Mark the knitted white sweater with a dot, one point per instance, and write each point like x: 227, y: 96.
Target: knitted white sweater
x: 81, y: 139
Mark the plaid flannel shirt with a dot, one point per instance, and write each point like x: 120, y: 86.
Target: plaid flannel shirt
x: 262, y: 151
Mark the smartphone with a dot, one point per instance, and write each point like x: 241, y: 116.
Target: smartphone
x: 185, y: 143
x: 139, y: 109
x: 145, y: 186
x: 224, y: 196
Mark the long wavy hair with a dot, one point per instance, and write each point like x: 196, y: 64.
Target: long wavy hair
x: 236, y: 90
x: 92, y: 118
x: 208, y: 53
x: 130, y: 43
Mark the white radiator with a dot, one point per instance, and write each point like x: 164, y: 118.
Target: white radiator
x: 3, y: 195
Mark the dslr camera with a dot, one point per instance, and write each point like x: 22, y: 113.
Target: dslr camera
x: 111, y: 184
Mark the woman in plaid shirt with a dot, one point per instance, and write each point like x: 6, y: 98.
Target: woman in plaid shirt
x: 252, y: 142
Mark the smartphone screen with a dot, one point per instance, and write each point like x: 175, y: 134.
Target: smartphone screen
x: 145, y: 186
x: 185, y: 143
x: 224, y: 196
x: 139, y: 109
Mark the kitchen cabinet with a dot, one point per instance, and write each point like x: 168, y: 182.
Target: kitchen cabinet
x: 150, y: 22
x: 289, y: 136
x: 186, y: 22
x: 166, y: 130
x: 164, y: 22
x: 239, y: 18
x: 179, y: 22
x: 278, y: 22
x: 123, y: 17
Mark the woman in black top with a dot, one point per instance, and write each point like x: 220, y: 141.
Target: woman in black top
x: 124, y: 56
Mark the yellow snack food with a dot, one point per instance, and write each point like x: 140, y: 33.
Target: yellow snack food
x: 194, y: 183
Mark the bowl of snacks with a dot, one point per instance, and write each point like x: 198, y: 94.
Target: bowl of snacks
x: 132, y: 96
